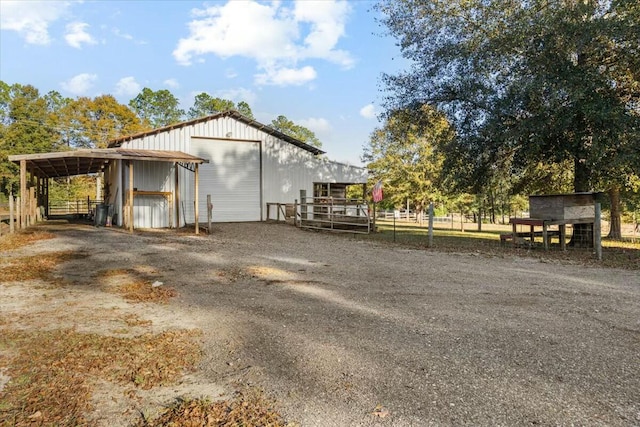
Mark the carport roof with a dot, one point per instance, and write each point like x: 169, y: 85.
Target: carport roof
x: 86, y: 161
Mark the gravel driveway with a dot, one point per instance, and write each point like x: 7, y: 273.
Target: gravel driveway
x: 345, y: 332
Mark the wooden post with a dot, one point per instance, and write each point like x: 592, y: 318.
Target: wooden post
x: 295, y: 212
x: 197, y: 182
x: 130, y: 196
x: 176, y: 196
x: 514, y: 235
x: 479, y: 220
x: 374, y: 217
x: 23, y: 193
x: 461, y: 221
x: 209, y: 209
x: 46, y: 197
x: 12, y: 227
x: 563, y: 238
x: 597, y: 232
x: 545, y: 235
x: 430, y: 232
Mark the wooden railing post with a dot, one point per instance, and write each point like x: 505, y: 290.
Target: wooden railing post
x: 12, y: 227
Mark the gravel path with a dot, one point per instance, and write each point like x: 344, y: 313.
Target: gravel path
x: 343, y: 331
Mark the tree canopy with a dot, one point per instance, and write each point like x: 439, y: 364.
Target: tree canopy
x: 525, y: 82
x: 288, y: 127
x: 157, y: 108
x: 406, y: 155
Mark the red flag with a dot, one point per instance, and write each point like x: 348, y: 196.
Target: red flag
x: 376, y: 192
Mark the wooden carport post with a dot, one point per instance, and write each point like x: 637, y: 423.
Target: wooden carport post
x: 195, y: 197
x: 130, y: 196
x: 23, y: 193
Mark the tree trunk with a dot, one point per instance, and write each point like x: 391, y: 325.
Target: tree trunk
x: 582, y: 233
x: 615, y: 229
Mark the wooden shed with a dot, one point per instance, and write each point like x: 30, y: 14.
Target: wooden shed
x: 579, y: 207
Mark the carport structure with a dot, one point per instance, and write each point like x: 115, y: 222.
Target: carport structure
x: 34, y: 190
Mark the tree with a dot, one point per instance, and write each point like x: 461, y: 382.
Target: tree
x: 26, y: 127
x: 525, y: 82
x: 156, y: 109
x: 92, y: 123
x: 286, y: 126
x: 206, y: 105
x: 245, y: 110
x: 405, y: 154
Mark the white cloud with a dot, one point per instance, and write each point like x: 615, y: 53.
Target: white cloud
x: 317, y: 125
x: 238, y: 94
x: 77, y: 34
x: 286, y: 76
x: 368, y: 111
x: 172, y: 83
x: 117, y: 32
x: 80, y: 84
x: 31, y: 19
x: 127, y: 86
x: 275, y: 35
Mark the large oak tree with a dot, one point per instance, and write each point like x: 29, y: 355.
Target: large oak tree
x: 526, y: 82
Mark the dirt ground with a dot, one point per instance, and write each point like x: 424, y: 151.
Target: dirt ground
x: 342, y: 331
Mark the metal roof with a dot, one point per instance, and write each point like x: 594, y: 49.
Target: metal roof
x: 86, y: 161
x: 230, y: 113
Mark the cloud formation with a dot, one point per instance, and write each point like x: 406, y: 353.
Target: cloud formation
x: 172, y: 83
x: 277, y: 36
x: 80, y: 84
x: 31, y: 19
x: 237, y: 95
x: 368, y: 111
x: 317, y: 125
x: 127, y: 86
x: 77, y: 35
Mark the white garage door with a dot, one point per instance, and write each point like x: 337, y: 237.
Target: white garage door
x: 232, y: 178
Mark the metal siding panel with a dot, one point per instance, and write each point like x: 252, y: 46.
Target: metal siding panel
x: 151, y: 211
x: 232, y: 178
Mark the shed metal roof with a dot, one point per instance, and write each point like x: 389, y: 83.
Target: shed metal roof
x: 230, y: 113
x: 86, y: 161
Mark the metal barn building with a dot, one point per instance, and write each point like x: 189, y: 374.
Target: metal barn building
x: 249, y: 165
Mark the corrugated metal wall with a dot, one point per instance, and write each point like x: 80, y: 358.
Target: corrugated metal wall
x: 286, y: 169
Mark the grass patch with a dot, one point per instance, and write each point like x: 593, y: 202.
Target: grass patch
x: 36, y: 267
x: 142, y: 291
x: 136, y: 287
x: 51, y: 371
x: 616, y: 254
x: 245, y: 409
x: 11, y: 242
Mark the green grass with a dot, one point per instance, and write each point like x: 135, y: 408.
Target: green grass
x: 621, y: 254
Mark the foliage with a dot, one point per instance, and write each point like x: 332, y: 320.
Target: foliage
x: 405, y: 154
x: 92, y: 123
x: 156, y: 109
x: 286, y: 126
x: 72, y: 188
x: 525, y: 82
x: 244, y: 109
x: 206, y: 105
x: 26, y: 126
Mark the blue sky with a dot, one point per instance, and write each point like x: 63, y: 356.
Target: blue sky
x: 316, y: 62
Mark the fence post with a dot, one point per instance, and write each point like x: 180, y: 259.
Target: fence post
x: 12, y: 227
x: 430, y: 232
x: 295, y: 212
x: 209, y: 213
x: 597, y: 232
